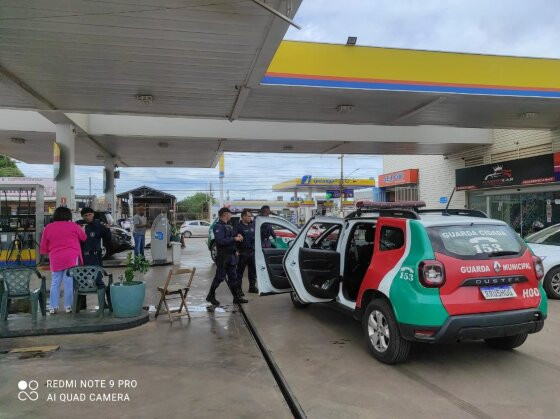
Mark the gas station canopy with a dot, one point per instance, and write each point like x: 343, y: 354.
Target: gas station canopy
x: 175, y: 83
x: 316, y: 184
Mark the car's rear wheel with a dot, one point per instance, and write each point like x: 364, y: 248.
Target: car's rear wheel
x: 507, y: 342
x: 187, y: 234
x: 297, y: 302
x: 382, y: 333
x: 213, y: 252
x: 551, y: 283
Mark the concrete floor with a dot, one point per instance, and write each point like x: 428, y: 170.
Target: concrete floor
x: 210, y: 366
x: 333, y: 375
x: 206, y: 367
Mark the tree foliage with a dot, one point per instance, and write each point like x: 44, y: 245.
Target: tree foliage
x: 195, y: 206
x: 8, y: 168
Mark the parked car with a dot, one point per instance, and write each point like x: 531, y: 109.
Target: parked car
x: 546, y: 245
x: 412, y: 276
x: 121, y: 239
x: 283, y: 237
x: 199, y: 228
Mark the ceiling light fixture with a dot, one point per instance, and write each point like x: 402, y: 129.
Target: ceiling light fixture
x: 351, y: 41
x: 344, y: 108
x: 169, y: 162
x: 145, y: 99
x: 529, y: 115
x: 18, y: 140
x: 287, y: 147
x: 163, y: 144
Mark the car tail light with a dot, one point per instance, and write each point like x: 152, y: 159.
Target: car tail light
x: 431, y: 273
x: 539, y: 268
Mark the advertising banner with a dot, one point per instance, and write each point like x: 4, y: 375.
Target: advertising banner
x: 403, y: 177
x: 532, y: 170
x: 557, y: 166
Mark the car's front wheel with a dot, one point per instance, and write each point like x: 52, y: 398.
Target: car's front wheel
x: 507, y: 342
x: 187, y: 234
x: 297, y: 302
x: 382, y: 333
x: 551, y: 283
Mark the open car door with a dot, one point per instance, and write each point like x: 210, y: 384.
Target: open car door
x: 271, y: 276
x: 312, y: 262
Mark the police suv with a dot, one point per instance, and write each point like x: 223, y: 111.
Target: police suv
x: 412, y: 275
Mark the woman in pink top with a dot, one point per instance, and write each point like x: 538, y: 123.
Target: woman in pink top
x: 61, y: 241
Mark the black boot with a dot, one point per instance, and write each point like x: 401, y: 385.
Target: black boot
x: 238, y: 297
x: 211, y: 298
x: 253, y: 289
x: 240, y: 292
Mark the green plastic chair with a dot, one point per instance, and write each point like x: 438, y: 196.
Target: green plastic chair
x: 14, y: 285
x: 84, y: 282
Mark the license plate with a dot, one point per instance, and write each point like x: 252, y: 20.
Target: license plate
x: 494, y: 293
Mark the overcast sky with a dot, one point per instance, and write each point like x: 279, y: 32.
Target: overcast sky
x: 512, y: 27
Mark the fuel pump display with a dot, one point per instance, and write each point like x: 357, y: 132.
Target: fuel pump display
x: 21, y: 223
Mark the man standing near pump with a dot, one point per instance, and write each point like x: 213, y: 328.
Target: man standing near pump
x: 226, y: 260
x: 140, y: 223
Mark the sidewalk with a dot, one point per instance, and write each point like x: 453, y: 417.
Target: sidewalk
x: 206, y: 367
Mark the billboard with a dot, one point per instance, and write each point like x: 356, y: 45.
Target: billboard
x: 528, y: 171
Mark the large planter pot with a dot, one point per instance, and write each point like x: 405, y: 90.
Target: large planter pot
x: 128, y: 299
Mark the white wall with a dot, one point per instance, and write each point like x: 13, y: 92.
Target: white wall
x: 436, y: 177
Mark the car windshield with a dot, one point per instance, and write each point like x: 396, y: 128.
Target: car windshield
x: 550, y: 235
x: 481, y: 241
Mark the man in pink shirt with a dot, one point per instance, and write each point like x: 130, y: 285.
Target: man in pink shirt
x: 61, y: 241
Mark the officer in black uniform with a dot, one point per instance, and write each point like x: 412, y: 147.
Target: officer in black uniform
x: 91, y: 248
x: 266, y: 230
x: 226, y: 259
x: 246, y: 249
x: 95, y: 232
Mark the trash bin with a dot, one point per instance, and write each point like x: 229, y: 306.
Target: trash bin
x: 176, y: 253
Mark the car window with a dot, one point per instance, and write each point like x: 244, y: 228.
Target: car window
x: 550, y: 235
x: 323, y: 236
x: 204, y: 223
x: 193, y: 223
x: 476, y: 241
x: 392, y: 238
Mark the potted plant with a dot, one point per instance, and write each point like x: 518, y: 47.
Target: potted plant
x: 175, y: 234
x: 127, y: 297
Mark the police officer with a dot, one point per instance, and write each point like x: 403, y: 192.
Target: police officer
x: 266, y: 230
x: 246, y: 249
x: 91, y: 248
x: 226, y: 259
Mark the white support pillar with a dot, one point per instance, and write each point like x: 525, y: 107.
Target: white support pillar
x: 65, y: 192
x: 110, y: 197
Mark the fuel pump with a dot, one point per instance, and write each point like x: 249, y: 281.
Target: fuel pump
x: 20, y: 232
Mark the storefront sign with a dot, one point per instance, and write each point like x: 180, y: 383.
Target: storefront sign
x: 532, y: 170
x: 403, y: 177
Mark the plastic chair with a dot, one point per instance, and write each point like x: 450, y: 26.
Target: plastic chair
x: 14, y: 285
x: 181, y: 290
x: 84, y: 282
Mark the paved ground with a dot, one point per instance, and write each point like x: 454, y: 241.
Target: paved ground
x: 210, y: 367
x: 333, y: 375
